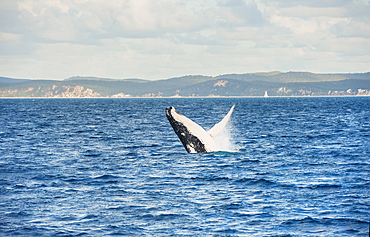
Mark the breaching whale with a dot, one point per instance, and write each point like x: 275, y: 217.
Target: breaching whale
x: 194, y: 138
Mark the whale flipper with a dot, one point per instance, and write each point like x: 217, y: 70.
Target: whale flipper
x: 217, y: 129
x: 194, y: 138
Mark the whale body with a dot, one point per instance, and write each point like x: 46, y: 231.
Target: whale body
x: 194, y: 138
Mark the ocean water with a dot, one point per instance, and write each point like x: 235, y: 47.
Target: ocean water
x: 115, y: 167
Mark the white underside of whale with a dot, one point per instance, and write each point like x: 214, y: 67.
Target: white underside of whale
x: 206, y: 137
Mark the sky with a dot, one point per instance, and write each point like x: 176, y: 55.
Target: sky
x: 160, y: 39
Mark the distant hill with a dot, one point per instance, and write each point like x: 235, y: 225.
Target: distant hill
x: 78, y: 78
x: 250, y: 84
x: 11, y: 80
x: 295, y: 76
x: 135, y: 80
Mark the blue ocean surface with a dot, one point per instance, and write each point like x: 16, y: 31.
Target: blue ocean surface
x: 115, y: 167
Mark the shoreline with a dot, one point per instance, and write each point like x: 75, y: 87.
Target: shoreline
x: 189, y: 97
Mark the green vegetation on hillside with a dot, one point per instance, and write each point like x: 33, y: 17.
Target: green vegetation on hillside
x: 251, y: 84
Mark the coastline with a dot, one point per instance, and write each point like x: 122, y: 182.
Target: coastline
x: 189, y: 97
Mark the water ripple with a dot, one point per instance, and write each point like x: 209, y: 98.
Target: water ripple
x: 88, y: 167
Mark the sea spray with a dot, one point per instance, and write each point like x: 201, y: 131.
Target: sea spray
x: 225, y: 141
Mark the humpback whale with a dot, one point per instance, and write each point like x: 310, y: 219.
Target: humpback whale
x: 194, y: 138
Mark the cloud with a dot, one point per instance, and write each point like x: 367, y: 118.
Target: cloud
x: 305, y: 12
x: 68, y: 21
x: 9, y: 37
x: 151, y: 16
x: 351, y: 28
x: 76, y: 20
x: 164, y: 38
x: 311, y: 3
x: 238, y: 13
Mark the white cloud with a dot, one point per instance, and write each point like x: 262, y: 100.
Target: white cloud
x: 165, y: 38
x: 9, y: 37
x: 238, y: 13
x: 351, y: 28
x: 311, y: 3
x: 149, y: 16
x: 304, y: 12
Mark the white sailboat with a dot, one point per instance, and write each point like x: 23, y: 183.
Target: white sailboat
x: 266, y: 95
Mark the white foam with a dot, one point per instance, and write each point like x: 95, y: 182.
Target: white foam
x: 224, y: 140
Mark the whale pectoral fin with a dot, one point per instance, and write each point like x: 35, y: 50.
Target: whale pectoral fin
x: 217, y: 129
x: 193, y: 137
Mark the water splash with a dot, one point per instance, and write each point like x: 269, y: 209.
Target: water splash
x: 224, y: 140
